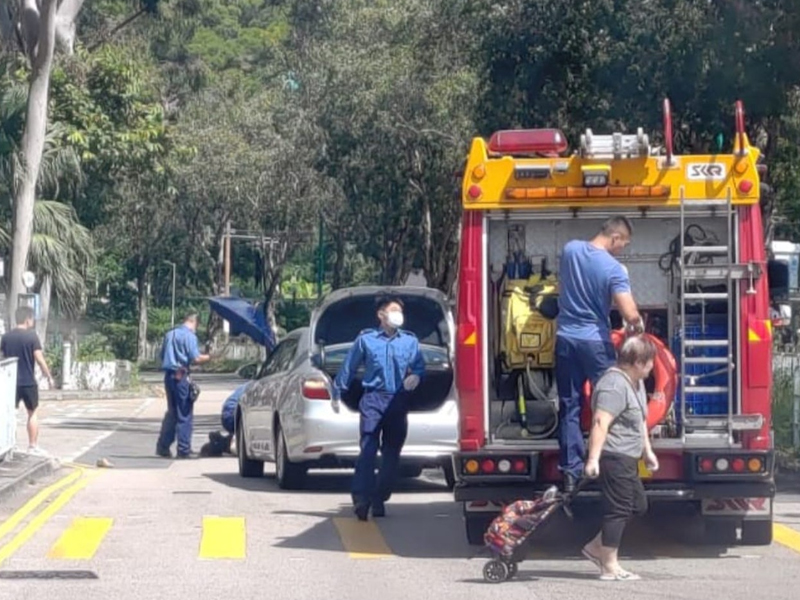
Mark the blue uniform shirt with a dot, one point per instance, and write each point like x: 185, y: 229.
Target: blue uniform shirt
x: 180, y: 349
x: 387, y: 360
x: 587, y: 279
x: 229, y: 407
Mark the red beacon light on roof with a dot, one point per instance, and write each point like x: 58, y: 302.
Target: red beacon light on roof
x: 548, y: 142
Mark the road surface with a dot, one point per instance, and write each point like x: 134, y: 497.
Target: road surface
x: 162, y: 529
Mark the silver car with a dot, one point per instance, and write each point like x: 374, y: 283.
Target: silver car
x: 287, y: 416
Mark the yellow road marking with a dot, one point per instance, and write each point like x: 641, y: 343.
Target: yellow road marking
x: 223, y: 537
x: 82, y: 539
x: 11, y: 523
x: 787, y: 536
x: 36, y: 523
x: 361, y: 539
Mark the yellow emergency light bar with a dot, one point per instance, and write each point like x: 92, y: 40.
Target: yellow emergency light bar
x: 527, y: 169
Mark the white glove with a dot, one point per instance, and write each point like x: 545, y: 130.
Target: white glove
x: 411, y: 382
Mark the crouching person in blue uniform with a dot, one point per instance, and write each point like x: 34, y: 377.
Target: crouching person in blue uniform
x: 393, y: 367
x: 219, y: 443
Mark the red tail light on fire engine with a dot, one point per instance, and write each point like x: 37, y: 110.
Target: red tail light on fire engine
x: 717, y: 465
x: 495, y: 466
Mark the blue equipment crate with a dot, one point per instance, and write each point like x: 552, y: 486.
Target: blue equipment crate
x: 712, y: 327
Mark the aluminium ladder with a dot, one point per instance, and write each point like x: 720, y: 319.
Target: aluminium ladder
x: 709, y: 427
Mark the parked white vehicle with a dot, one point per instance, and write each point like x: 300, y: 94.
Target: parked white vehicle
x: 287, y: 415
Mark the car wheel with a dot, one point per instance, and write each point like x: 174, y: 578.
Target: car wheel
x: 290, y: 476
x: 757, y: 533
x: 247, y: 466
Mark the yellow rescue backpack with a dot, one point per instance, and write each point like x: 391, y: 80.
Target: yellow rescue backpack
x: 528, y: 310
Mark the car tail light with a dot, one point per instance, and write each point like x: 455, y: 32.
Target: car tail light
x: 487, y: 466
x: 471, y: 467
x: 737, y: 464
x: 520, y: 465
x: 721, y: 464
x: 755, y: 465
x: 706, y: 465
x: 504, y: 466
x: 314, y: 389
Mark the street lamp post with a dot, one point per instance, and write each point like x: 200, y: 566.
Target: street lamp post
x: 172, y: 264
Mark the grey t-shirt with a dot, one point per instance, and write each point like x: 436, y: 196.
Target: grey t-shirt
x: 614, y: 394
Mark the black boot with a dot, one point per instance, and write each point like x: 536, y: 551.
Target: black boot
x: 569, y: 483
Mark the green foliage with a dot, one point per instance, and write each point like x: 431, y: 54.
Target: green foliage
x: 121, y: 338
x: 782, y: 401
x: 95, y: 347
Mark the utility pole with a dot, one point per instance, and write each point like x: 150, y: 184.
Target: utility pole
x: 227, y: 287
x: 226, y: 326
x: 174, y: 278
x: 321, y: 258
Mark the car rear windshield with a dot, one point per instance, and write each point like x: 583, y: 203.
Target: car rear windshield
x: 341, y: 322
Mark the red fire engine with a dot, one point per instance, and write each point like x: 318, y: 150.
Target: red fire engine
x: 698, y: 270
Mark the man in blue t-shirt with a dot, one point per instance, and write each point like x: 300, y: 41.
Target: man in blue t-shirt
x: 590, y: 280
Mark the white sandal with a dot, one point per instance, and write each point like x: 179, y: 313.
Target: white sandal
x: 621, y: 575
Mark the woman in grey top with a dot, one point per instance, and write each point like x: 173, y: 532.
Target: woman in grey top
x: 618, y: 439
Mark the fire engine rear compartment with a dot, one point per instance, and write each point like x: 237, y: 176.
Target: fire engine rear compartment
x: 651, y: 260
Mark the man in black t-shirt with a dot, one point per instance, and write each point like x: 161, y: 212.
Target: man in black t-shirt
x: 23, y: 344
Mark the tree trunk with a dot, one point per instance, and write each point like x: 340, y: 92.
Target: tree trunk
x: 31, y: 149
x: 45, y: 293
x: 141, y: 282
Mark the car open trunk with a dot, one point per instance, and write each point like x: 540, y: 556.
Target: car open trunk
x: 346, y: 313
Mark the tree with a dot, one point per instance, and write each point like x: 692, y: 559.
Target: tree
x: 393, y: 88
x: 61, y: 248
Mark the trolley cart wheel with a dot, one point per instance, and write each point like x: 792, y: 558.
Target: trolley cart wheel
x: 495, y: 571
x: 513, y: 569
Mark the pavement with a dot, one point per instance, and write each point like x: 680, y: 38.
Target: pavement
x: 154, y: 528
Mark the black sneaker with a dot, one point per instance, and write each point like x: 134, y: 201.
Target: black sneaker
x: 190, y: 455
x: 379, y: 510
x: 362, y: 511
x: 163, y: 453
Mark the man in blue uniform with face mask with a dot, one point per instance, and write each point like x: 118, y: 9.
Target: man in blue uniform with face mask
x: 393, y: 367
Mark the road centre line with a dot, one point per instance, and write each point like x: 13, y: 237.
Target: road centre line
x: 81, y: 539
x: 786, y: 536
x: 361, y: 539
x: 40, y: 519
x: 11, y: 523
x: 223, y: 537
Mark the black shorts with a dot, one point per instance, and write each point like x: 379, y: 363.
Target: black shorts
x: 623, y: 492
x: 29, y: 394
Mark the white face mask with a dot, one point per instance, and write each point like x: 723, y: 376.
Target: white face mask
x: 395, y: 318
